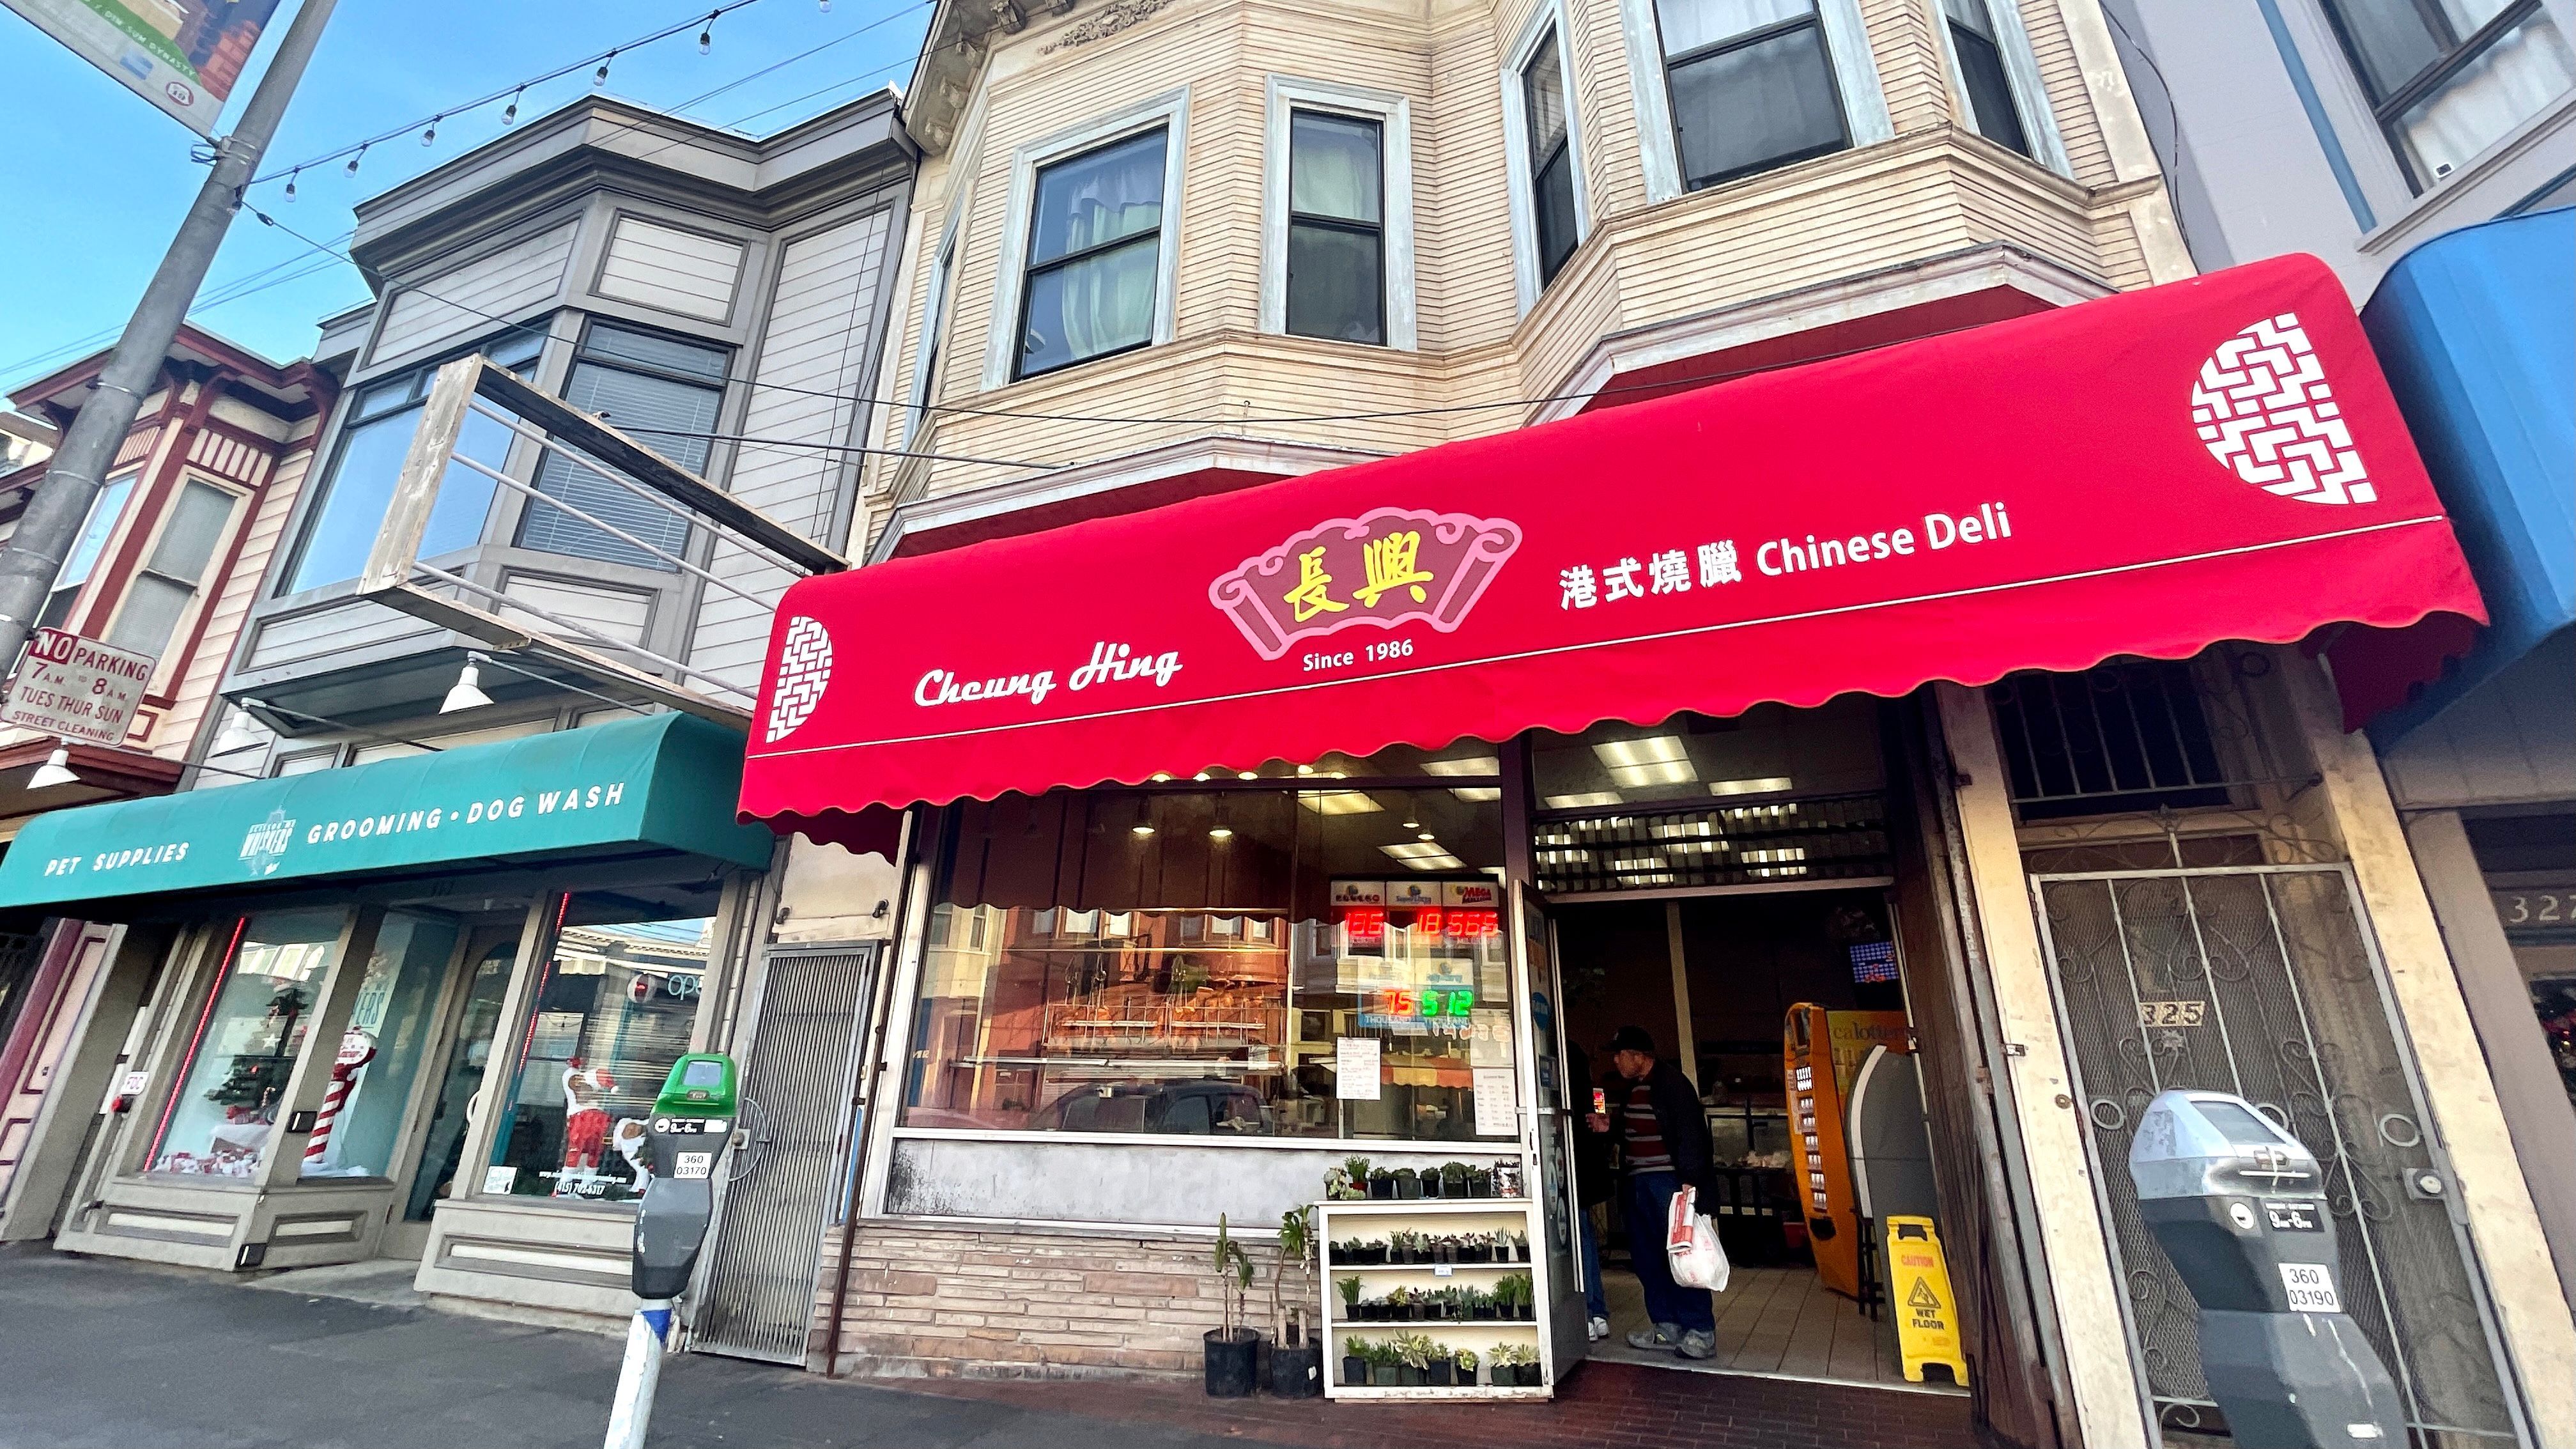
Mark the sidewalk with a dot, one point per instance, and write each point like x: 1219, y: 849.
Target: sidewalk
x: 114, y: 1354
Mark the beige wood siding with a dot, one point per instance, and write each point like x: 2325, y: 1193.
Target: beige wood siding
x: 818, y: 341
x: 673, y: 270
x: 193, y: 701
x: 466, y: 299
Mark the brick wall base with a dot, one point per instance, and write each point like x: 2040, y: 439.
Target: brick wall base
x: 938, y: 1302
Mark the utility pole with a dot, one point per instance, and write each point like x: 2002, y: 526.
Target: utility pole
x: 34, y: 554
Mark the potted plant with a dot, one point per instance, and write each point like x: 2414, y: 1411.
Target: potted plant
x: 1296, y: 1364
x: 1480, y: 1182
x: 1480, y: 1304
x: 1383, y: 1358
x: 1408, y: 1184
x: 1355, y: 1360
x: 1443, y: 1369
x: 1381, y: 1185
x: 1233, y: 1348
x: 1467, y: 1366
x: 1349, y: 1288
x: 1520, y: 1247
x: 1453, y: 1179
x: 1512, y: 1295
x: 1413, y: 1359
x: 1430, y: 1180
x: 1514, y: 1365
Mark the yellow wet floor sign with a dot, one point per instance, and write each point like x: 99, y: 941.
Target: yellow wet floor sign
x: 1927, y: 1320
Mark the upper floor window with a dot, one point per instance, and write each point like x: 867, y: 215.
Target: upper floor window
x: 662, y: 392
x: 1752, y: 85
x: 1554, y: 223
x: 1336, y: 228
x: 934, y: 333
x: 2449, y: 78
x: 159, y: 597
x: 1982, y: 76
x: 105, y: 507
x: 375, y: 433
x: 1095, y: 231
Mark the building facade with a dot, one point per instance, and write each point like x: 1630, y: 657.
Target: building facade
x: 1165, y: 254
x: 455, y: 888
x: 2417, y: 151
x: 166, y: 566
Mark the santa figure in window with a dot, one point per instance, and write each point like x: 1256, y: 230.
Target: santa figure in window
x: 586, y: 1090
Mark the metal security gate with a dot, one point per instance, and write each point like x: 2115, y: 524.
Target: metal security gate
x: 758, y: 1295
x: 2264, y: 981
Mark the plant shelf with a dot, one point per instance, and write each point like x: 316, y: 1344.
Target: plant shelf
x: 1370, y: 1220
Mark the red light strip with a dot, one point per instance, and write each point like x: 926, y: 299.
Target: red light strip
x: 214, y: 994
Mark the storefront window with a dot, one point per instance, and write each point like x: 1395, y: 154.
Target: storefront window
x: 379, y: 1054
x: 1244, y: 962
x: 614, y: 1008
x: 442, y: 1149
x: 218, y: 1122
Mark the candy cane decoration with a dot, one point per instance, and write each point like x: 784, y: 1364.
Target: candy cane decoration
x: 356, y: 1050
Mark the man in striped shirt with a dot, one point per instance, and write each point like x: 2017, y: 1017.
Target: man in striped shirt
x: 1664, y: 1144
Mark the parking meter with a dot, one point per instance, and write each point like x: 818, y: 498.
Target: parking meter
x: 2239, y: 1207
x: 686, y: 1137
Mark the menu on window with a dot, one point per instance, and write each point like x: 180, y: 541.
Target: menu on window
x: 1497, y: 1109
x: 1355, y: 1074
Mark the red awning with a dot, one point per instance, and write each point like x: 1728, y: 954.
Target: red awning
x: 2146, y: 474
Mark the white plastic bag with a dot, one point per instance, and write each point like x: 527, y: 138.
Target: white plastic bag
x: 1691, y: 1246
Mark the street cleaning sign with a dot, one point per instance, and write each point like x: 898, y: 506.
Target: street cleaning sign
x: 1918, y: 1284
x: 76, y: 689
x: 664, y: 782
x: 181, y: 55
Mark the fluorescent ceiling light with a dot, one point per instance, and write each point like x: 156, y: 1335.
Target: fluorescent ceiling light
x: 1585, y: 800
x: 1654, y: 760
x: 1339, y: 802
x: 1478, y: 765
x: 1423, y: 855
x: 1767, y: 784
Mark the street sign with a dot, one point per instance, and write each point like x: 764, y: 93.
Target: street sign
x: 76, y: 689
x: 181, y: 55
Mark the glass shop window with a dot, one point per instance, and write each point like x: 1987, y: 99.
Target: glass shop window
x: 1329, y: 961
x: 361, y: 1115
x: 218, y: 1122
x: 614, y: 1008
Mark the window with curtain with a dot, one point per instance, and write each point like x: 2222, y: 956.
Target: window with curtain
x: 1551, y: 153
x: 105, y: 508
x: 158, y: 597
x: 661, y: 392
x: 374, y: 435
x: 1752, y: 85
x: 1095, y: 251
x: 1336, y: 228
x: 1981, y: 74
x: 2448, y: 78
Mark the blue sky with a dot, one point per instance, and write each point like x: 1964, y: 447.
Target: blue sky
x: 97, y: 179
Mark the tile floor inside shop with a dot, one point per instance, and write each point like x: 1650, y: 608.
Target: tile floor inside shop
x: 1770, y: 1321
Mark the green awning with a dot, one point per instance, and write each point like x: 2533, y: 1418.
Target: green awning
x: 661, y: 783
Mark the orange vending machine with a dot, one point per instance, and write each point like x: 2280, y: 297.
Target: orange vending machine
x: 1820, y: 1052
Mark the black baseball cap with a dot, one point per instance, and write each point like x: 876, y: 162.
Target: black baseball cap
x: 1631, y: 1039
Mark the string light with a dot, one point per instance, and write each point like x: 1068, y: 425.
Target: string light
x: 429, y: 137
x: 510, y: 116
x: 707, y: 37
x: 354, y: 160
x: 600, y: 77
x: 290, y: 183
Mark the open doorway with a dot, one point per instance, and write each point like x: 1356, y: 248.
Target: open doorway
x: 1779, y: 1007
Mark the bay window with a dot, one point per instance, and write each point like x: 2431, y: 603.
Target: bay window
x: 664, y: 393
x: 1336, y: 228
x: 1093, y: 265
x: 2449, y: 78
x: 1555, y: 225
x: 105, y: 507
x: 1751, y: 83
x: 375, y: 433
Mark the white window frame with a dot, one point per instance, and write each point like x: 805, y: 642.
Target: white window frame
x: 1659, y: 147
x: 1547, y: 19
x: 1168, y: 112
x: 1394, y: 115
x: 202, y: 590
x: 934, y: 326
x: 2021, y: 72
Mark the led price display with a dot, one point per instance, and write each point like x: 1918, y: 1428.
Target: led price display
x: 1367, y: 925
x: 1429, y: 1003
